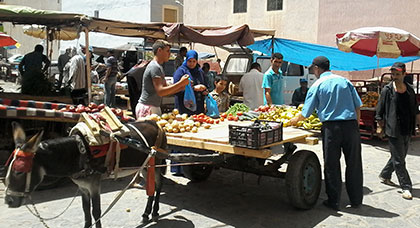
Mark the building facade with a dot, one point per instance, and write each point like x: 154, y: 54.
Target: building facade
x: 16, y: 31
x: 313, y: 21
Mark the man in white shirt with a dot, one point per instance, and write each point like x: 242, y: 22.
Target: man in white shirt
x: 250, y: 85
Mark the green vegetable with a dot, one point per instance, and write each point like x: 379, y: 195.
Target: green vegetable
x: 238, y: 107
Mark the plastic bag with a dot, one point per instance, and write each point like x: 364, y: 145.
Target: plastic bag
x: 212, y: 109
x: 189, y: 98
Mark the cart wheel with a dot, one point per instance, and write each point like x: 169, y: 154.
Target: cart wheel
x: 197, y: 173
x: 303, y: 179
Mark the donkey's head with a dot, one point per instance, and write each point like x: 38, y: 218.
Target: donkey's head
x: 22, y: 174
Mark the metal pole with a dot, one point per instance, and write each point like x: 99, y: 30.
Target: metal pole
x: 89, y: 82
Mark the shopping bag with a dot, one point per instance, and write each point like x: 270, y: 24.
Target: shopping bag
x: 212, y: 109
x: 189, y: 98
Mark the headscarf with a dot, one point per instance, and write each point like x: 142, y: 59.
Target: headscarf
x: 191, y: 54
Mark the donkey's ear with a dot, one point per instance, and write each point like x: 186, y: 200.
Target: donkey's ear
x: 33, y: 143
x: 19, y: 135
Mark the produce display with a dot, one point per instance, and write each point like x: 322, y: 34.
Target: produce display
x: 285, y: 113
x: 370, y: 99
x: 94, y: 108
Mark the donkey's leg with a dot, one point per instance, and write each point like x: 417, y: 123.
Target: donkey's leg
x: 95, y: 192
x: 150, y: 200
x: 86, y: 206
x: 159, y: 183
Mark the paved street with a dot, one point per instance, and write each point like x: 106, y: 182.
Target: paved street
x: 224, y: 200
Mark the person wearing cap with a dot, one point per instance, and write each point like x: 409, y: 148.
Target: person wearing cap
x: 299, y: 94
x: 338, y: 107
x: 396, y: 113
x: 273, y: 82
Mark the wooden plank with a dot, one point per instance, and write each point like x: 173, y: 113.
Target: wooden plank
x: 222, y: 148
x: 19, y: 96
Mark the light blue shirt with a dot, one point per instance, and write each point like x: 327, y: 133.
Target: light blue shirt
x: 334, y: 98
x: 275, y: 83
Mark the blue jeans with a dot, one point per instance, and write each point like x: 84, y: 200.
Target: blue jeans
x: 398, y: 147
x: 110, y: 91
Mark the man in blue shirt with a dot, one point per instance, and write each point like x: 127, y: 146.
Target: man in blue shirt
x: 338, y: 107
x: 273, y: 82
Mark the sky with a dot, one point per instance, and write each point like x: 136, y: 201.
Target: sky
x: 125, y: 10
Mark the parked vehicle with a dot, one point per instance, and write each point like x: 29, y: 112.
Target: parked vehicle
x: 238, y: 63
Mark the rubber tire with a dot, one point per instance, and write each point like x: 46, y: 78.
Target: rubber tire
x: 299, y: 165
x: 197, y: 173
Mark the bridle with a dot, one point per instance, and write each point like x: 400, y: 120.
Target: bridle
x: 16, y: 154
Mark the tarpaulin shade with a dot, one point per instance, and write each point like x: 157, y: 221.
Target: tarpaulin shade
x: 303, y: 54
x: 210, y: 36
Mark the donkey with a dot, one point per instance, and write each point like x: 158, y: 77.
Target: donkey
x: 61, y: 157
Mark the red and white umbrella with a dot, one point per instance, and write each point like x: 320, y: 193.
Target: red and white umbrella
x: 384, y: 42
x: 6, y: 40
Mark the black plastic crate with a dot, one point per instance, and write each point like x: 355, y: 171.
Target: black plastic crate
x: 253, y: 137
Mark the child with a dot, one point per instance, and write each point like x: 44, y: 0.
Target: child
x: 218, y: 94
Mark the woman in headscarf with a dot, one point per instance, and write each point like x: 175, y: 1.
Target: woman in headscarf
x: 191, y: 68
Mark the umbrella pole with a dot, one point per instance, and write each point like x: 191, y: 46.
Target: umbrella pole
x: 89, y: 82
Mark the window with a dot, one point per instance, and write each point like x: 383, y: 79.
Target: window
x: 237, y: 65
x: 274, y: 5
x: 291, y: 69
x: 170, y: 15
x: 239, y: 6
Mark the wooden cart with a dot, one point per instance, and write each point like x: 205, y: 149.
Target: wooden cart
x: 303, y: 175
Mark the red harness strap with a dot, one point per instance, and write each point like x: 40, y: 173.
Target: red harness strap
x: 150, y: 182
x: 23, y: 162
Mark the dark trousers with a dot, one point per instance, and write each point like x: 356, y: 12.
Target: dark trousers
x: 343, y: 136
x: 134, y: 93
x: 398, y: 147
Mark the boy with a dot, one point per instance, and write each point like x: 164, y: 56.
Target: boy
x: 218, y: 94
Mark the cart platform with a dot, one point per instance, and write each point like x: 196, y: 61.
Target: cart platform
x: 217, y: 139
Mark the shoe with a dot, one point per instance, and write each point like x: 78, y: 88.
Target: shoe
x: 406, y: 194
x: 355, y: 206
x: 387, y: 181
x: 330, y: 205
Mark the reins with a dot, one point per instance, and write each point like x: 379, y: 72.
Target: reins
x: 36, y: 213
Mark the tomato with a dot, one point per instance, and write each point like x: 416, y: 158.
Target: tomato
x: 71, y: 108
x: 80, y: 109
x: 224, y: 115
x: 101, y: 106
x: 63, y: 110
x: 212, y: 121
x: 230, y: 114
x: 87, y: 109
x: 235, y: 118
x: 230, y: 118
x: 119, y: 112
x: 217, y: 121
x: 113, y: 110
x: 239, y: 113
x: 95, y: 110
x: 92, y: 105
x: 222, y: 119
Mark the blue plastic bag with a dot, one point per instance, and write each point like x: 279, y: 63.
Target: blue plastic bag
x: 189, y: 98
x: 212, y: 109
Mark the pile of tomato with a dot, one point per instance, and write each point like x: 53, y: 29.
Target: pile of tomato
x: 94, y: 108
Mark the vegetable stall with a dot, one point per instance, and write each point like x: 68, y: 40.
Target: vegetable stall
x: 254, y: 145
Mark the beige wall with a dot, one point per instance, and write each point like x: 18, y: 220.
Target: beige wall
x: 298, y: 20
x: 28, y: 43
